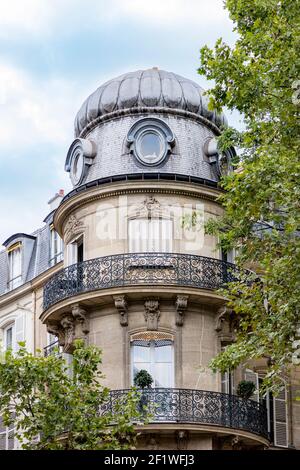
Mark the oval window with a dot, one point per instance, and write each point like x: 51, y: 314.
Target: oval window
x: 150, y: 147
x: 77, y: 168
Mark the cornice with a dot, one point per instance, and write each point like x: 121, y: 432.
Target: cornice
x: 148, y: 110
x: 28, y: 287
x: 127, y: 188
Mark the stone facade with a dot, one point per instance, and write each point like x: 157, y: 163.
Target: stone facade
x: 162, y: 298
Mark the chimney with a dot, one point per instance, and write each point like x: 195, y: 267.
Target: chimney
x: 56, y: 200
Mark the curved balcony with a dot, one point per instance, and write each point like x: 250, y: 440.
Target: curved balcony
x: 134, y: 269
x: 186, y: 406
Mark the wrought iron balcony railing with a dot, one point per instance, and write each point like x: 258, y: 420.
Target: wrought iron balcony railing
x: 138, y: 269
x: 51, y: 348
x: 172, y: 405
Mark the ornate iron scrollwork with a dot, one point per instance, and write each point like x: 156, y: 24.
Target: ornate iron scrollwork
x: 198, y: 406
x: 138, y: 269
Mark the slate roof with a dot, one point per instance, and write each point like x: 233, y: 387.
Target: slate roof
x: 37, y: 255
x: 142, y: 89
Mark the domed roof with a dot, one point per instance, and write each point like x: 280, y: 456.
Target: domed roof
x: 146, y: 89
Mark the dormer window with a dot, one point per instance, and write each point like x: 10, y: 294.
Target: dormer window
x: 56, y: 247
x: 150, y: 140
x: 15, y: 266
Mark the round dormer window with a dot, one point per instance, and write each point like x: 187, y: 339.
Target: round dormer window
x: 150, y: 140
x: 150, y: 147
x: 77, y: 168
x: 79, y: 158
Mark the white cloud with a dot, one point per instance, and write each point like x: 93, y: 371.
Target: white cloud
x: 34, y: 111
x: 166, y: 12
x: 49, y: 17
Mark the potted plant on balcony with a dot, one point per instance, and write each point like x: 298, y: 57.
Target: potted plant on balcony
x: 246, y: 389
x: 143, y: 380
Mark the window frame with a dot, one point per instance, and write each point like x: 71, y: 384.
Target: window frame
x: 5, y: 330
x: 57, y: 256
x: 142, y: 245
x: 14, y: 281
x: 72, y: 249
x: 152, y: 363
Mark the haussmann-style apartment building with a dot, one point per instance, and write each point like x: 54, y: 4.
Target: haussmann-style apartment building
x: 123, y: 262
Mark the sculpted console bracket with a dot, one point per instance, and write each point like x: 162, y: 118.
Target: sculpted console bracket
x: 74, y: 325
x: 225, y: 324
x: 181, y: 306
x: 122, y: 307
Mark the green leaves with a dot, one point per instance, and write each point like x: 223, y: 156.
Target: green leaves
x: 261, y: 199
x: 55, y: 408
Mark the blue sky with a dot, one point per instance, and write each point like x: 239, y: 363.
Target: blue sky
x: 54, y: 53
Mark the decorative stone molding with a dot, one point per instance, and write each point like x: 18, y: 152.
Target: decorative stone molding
x: 73, y: 227
x: 150, y: 207
x: 180, y: 305
x: 231, y: 443
x: 182, y: 438
x: 152, y: 442
x: 54, y: 328
x: 152, y: 313
x: 74, y: 325
x: 68, y: 325
x: 224, y: 324
x: 80, y: 316
x: 122, y: 307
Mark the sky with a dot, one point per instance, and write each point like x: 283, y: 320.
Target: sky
x: 54, y: 53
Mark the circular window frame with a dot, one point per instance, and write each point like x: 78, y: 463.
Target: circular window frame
x: 77, y: 177
x: 150, y: 126
x: 84, y: 149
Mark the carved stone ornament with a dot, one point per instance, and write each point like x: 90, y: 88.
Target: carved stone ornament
x: 182, y: 438
x: 181, y: 305
x: 149, y: 208
x: 152, y: 442
x: 54, y: 328
x: 73, y: 227
x: 68, y: 325
x: 122, y: 307
x: 74, y: 325
x: 80, y: 316
x: 224, y: 324
x: 152, y: 313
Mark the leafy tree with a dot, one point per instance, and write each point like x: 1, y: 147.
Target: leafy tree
x: 259, y: 77
x: 54, y: 406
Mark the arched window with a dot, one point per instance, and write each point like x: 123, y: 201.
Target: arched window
x: 154, y: 352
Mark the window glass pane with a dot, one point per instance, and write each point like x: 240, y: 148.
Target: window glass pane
x: 141, y: 354
x: 163, y: 354
x: 157, y: 359
x: 163, y: 375
x: 9, y: 338
x: 150, y: 235
x: 15, y: 268
x: 150, y: 146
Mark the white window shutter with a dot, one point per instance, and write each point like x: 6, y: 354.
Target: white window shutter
x: 251, y: 376
x: 20, y: 329
x: 280, y: 419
